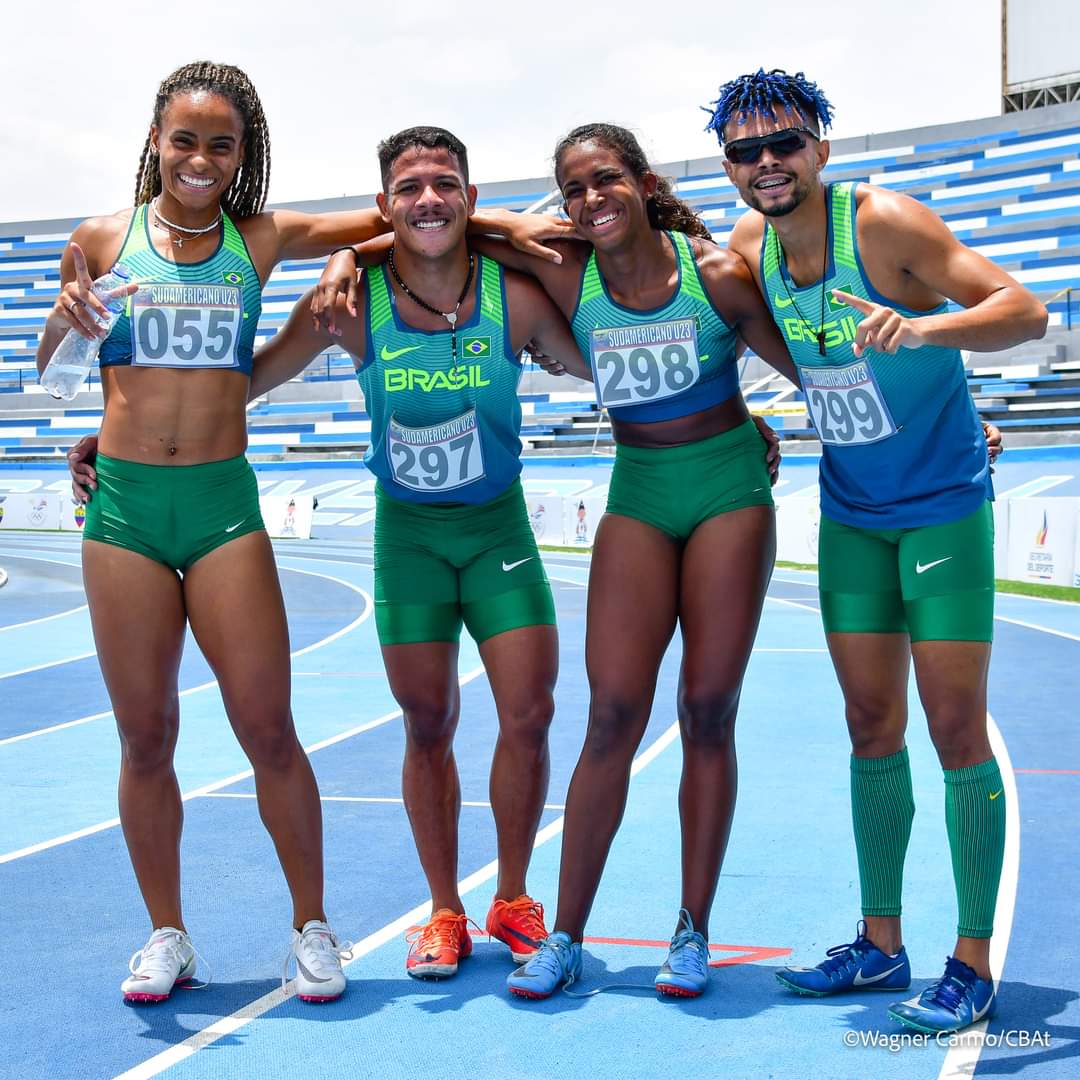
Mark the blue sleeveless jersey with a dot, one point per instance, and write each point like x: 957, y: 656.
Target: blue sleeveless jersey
x: 442, y: 432
x: 902, y: 444
x: 186, y: 315
x: 647, y: 366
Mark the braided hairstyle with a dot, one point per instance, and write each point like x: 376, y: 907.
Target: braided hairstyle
x: 665, y: 209
x: 246, y: 194
x: 762, y: 93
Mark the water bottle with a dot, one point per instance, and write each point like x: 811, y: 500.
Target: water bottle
x: 70, y: 364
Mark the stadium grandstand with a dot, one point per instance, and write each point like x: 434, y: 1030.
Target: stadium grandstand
x: 1008, y: 186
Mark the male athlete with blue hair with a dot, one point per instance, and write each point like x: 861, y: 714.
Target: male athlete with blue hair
x: 858, y: 278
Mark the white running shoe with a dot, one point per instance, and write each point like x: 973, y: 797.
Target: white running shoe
x: 166, y: 959
x: 318, y: 962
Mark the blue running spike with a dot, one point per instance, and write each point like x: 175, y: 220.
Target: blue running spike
x: 956, y: 1001
x: 860, y: 965
x: 685, y: 972
x: 558, y: 963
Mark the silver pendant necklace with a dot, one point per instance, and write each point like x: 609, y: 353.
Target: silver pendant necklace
x: 171, y: 227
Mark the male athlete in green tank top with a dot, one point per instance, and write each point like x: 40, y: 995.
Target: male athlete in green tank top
x: 688, y: 530
x: 436, y: 346
x: 857, y: 278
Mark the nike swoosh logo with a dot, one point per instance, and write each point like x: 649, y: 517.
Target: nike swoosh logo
x: 920, y: 568
x: 307, y: 974
x: 523, y: 938
x: 393, y: 354
x: 233, y: 528
x: 860, y: 981
x: 779, y: 301
x: 978, y: 1014
x: 995, y: 795
x: 511, y: 566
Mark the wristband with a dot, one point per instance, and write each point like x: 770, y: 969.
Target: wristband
x: 347, y: 247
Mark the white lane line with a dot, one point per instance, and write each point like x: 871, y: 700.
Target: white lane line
x: 209, y: 789
x: 1032, y: 487
x: 230, y: 1024
x: 364, y: 614
x: 395, y: 800
x: 1036, y: 626
x: 794, y: 604
x: 757, y: 649
x: 51, y: 663
x: 962, y: 1057
x: 44, y: 618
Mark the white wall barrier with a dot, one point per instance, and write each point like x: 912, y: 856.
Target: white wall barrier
x: 1034, y: 539
x: 286, y: 516
x: 37, y: 511
x: 1042, y: 540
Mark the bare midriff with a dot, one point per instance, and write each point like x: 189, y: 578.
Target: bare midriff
x: 683, y: 429
x: 166, y: 416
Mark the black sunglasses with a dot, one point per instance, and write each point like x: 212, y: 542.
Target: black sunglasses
x: 783, y: 143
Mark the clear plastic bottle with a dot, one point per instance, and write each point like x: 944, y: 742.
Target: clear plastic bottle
x: 70, y: 364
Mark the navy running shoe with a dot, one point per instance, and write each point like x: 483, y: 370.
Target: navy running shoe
x: 858, y: 966
x: 685, y: 972
x: 956, y: 1001
x: 558, y: 963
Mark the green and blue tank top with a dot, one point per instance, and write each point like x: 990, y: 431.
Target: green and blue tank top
x: 442, y: 431
x: 902, y: 444
x: 186, y: 315
x: 672, y: 361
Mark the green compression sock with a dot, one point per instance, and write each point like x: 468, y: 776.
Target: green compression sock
x: 881, y: 810
x: 975, y: 819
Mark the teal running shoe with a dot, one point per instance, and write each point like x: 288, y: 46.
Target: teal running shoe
x: 685, y: 972
x: 860, y: 965
x: 956, y: 1001
x: 558, y: 963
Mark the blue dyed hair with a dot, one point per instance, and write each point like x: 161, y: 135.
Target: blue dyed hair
x: 762, y: 93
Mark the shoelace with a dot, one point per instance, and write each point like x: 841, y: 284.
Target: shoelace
x: 951, y: 989
x: 840, y: 956
x: 555, y: 958
x: 160, y: 953
x: 531, y: 913
x: 438, y: 933
x: 322, y: 945
x: 690, y: 939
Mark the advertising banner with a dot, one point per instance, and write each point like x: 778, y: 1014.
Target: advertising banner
x: 288, y: 517
x: 1042, y: 540
x: 37, y: 511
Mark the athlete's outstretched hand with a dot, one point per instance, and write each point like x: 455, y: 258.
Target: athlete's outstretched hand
x: 882, y: 328
x: 340, y: 275
x: 548, y: 363
x: 772, y: 447
x: 994, y: 445
x: 80, y: 459
x: 78, y: 307
x: 526, y: 231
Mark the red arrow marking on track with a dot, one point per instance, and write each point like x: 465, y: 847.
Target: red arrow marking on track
x: 750, y: 954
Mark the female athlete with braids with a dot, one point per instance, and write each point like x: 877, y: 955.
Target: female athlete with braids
x: 689, y: 529
x: 857, y: 278
x: 175, y: 373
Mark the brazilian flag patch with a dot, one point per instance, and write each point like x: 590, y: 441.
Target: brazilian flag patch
x: 477, y: 347
x: 233, y: 277
x: 839, y: 305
